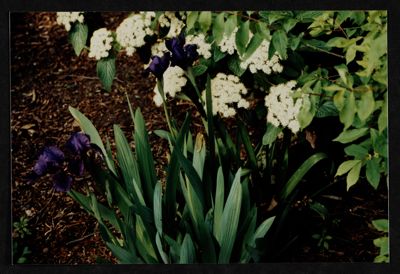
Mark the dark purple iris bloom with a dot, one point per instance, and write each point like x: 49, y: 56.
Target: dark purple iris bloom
x: 51, y: 157
x: 182, y: 55
x: 78, y: 143
x: 159, y: 65
x: 62, y: 182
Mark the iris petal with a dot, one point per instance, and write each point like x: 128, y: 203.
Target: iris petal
x: 62, y: 182
x: 78, y: 143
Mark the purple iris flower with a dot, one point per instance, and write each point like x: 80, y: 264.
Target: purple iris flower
x: 78, y: 143
x: 159, y: 65
x: 62, y: 182
x: 51, y: 157
x: 182, y: 55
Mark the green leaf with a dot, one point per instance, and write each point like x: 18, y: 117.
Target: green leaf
x: 106, y: 71
x: 366, y: 105
x: 162, y: 253
x: 144, y: 243
x: 234, y: 66
x: 346, y: 166
x: 383, y: 117
x: 247, y: 144
x: 372, y: 172
x: 270, y: 134
x: 327, y: 109
x: 95, y: 138
x: 191, y: 19
x: 254, y: 43
x: 219, y: 27
x: 289, y: 23
x: 173, y: 175
x: 351, y: 53
x: 210, y: 119
x: 187, y: 255
x: 346, y: 78
x: 348, y: 111
x: 381, y: 224
x: 262, y: 29
x: 306, y: 113
x: 128, y: 165
x: 157, y: 205
x: 300, y: 172
x: 144, y: 156
x: 230, y: 25
x: 78, y: 36
x: 205, y: 20
x: 356, y: 150
x: 242, y: 37
x: 230, y: 219
x: 280, y: 43
x: 199, y: 155
x: 338, y: 98
x: 351, y: 135
x: 218, y: 54
x: 353, y: 175
x: 219, y: 205
x: 163, y: 134
x: 199, y: 70
x: 123, y: 256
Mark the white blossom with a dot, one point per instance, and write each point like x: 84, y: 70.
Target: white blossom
x: 203, y: 48
x: 282, y: 108
x: 68, y: 18
x: 174, y: 81
x: 100, y: 43
x: 159, y: 48
x: 168, y: 19
x: 227, y: 91
x: 132, y: 31
x: 259, y: 60
x: 228, y: 43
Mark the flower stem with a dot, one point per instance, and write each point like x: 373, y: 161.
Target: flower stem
x: 160, y: 86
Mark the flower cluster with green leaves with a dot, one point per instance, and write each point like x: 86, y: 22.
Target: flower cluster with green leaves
x: 280, y: 70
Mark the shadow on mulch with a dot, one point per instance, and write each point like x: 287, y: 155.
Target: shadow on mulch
x: 47, y: 78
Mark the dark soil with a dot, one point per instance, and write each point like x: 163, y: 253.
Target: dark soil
x: 47, y: 77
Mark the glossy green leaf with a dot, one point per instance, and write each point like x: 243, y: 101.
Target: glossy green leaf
x: 219, y: 27
x: 373, y: 172
x: 353, y: 175
x: 191, y: 19
x: 128, y: 165
x: 219, y: 205
x: 351, y: 135
x: 253, y: 45
x: 230, y: 219
x: 346, y: 166
x: 157, y: 207
x: 231, y: 24
x: 199, y: 70
x: 205, y: 20
x: 348, y: 111
x: 144, y: 157
x: 280, y: 42
x: 357, y: 151
x: 381, y: 224
x: 106, y: 71
x: 242, y: 37
x: 327, y: 109
x: 188, y: 254
x: 270, y: 135
x: 163, y: 254
x: 366, y: 105
x: 144, y: 243
x: 78, y: 36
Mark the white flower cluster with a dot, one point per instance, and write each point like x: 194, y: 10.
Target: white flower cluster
x: 68, y: 18
x: 168, y: 19
x: 132, y: 31
x: 174, y: 80
x: 228, y: 43
x: 203, y: 48
x: 100, y: 43
x: 282, y: 109
x: 159, y: 48
x: 227, y: 90
x: 259, y: 60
